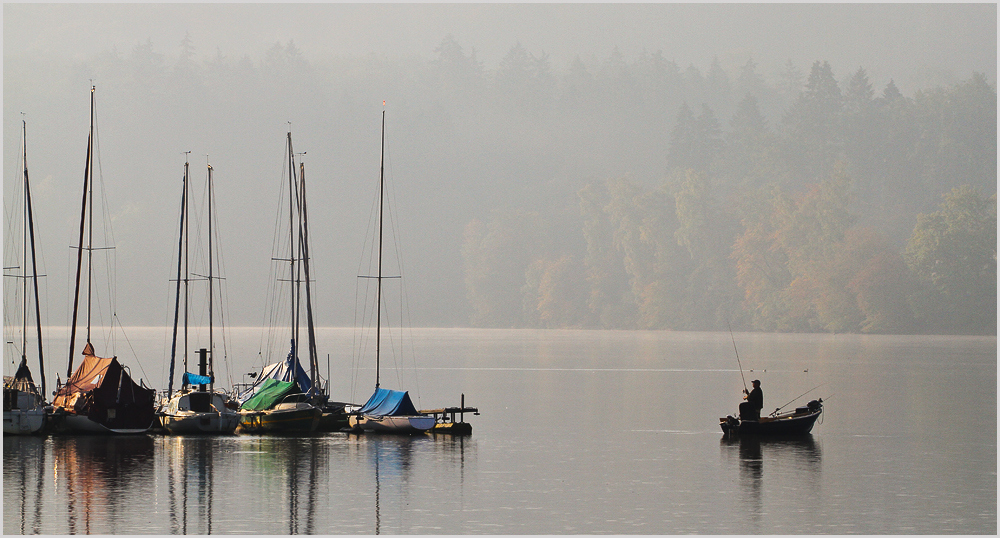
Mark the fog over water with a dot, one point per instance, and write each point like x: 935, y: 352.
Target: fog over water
x: 467, y: 142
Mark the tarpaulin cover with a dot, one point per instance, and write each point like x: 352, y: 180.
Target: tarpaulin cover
x: 385, y: 402
x: 271, y: 392
x: 281, y: 371
x: 195, y: 379
x: 102, y: 390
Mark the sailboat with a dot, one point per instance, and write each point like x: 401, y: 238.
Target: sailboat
x: 23, y: 403
x: 197, y: 407
x: 283, y: 398
x: 387, y: 411
x: 100, y: 396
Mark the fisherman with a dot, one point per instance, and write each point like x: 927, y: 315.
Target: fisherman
x: 750, y: 409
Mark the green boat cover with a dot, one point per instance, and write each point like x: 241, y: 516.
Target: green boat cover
x: 270, y: 393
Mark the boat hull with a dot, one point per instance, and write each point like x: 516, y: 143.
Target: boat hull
x: 406, y: 425
x: 70, y: 423
x: 197, y: 412
x: 293, y: 420
x: 23, y: 421
x: 197, y: 423
x: 792, y: 424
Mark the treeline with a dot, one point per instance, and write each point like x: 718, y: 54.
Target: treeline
x: 807, y: 225
x: 611, y: 193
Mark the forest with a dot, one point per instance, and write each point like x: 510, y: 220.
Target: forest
x: 618, y: 193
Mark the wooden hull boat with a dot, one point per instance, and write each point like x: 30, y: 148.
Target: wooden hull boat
x: 293, y: 417
x: 798, y: 422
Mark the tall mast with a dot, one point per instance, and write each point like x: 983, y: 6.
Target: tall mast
x: 90, y: 225
x: 34, y: 260
x: 177, y: 291
x: 79, y: 258
x: 310, y: 327
x: 211, y: 346
x: 378, y: 295
x: 187, y: 262
x: 24, y: 251
x: 292, y: 229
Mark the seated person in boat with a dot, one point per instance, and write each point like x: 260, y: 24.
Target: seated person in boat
x: 750, y: 409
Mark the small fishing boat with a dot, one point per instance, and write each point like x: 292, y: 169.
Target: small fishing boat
x: 797, y: 422
x: 23, y: 402
x: 197, y: 407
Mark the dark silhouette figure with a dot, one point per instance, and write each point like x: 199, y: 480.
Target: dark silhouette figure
x: 750, y: 409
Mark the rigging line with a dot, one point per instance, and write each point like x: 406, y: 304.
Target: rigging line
x: 405, y: 320
x: 404, y: 295
x: 274, y: 297
x: 132, y: 349
x: 222, y: 291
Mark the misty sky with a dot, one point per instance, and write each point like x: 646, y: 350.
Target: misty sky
x: 928, y: 42
x: 916, y: 45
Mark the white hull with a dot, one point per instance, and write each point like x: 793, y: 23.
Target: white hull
x: 212, y: 416
x: 392, y: 424
x: 23, y: 421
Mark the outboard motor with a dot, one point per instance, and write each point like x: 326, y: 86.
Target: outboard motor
x: 815, y: 404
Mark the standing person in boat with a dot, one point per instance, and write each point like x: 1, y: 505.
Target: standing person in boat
x: 750, y: 409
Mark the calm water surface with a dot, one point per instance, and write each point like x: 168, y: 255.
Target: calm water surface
x: 580, y: 432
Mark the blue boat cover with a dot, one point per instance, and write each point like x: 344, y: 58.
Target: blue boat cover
x: 195, y: 379
x: 385, y: 402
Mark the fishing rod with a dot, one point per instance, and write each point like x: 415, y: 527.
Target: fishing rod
x: 737, y: 356
x: 797, y: 397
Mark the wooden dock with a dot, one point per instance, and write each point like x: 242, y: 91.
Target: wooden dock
x: 451, y: 420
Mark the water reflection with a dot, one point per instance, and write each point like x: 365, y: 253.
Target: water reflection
x: 24, y: 475
x: 395, y: 460
x: 190, y: 482
x: 98, y: 476
x: 286, y: 473
x: 797, y: 460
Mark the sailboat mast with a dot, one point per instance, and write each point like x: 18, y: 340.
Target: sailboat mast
x: 90, y: 225
x: 211, y: 346
x: 79, y: 256
x: 310, y: 327
x: 24, y: 253
x: 381, y: 218
x: 292, y: 229
x: 34, y: 260
x: 187, y: 264
x: 177, y: 291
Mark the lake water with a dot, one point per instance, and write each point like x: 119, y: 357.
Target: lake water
x: 580, y: 432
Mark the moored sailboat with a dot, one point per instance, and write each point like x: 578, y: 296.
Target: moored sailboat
x: 100, y: 395
x: 386, y: 411
x: 197, y: 407
x: 283, y: 398
x: 23, y: 402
